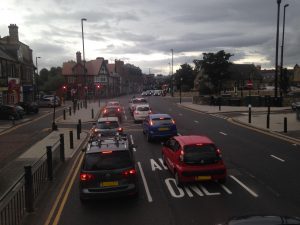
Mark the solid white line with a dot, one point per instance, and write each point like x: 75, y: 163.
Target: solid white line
x: 196, y: 121
x: 275, y: 157
x: 131, y: 139
x: 145, y: 182
x: 244, y: 186
x: 223, y: 133
x: 226, y: 189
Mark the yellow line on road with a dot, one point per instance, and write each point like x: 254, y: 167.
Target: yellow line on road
x: 63, y: 190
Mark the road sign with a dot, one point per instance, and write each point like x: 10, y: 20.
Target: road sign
x: 249, y: 84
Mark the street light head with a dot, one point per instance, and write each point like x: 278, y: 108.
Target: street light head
x: 286, y: 5
x: 83, y: 19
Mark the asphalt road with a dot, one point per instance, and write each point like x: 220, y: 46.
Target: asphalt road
x: 262, y: 178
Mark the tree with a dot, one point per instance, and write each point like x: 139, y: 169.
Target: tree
x: 215, y: 67
x: 187, y: 74
x: 51, y: 80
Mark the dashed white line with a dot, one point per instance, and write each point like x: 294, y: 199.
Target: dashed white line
x: 196, y: 121
x: 244, y: 186
x: 226, y: 189
x: 145, y: 183
x: 223, y: 133
x: 275, y: 157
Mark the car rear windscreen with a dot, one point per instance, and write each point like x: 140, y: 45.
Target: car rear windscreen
x: 202, y: 153
x: 107, y: 161
x: 107, y: 125
x: 143, y: 109
x: 162, y: 121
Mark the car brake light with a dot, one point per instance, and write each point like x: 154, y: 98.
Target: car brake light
x: 181, y: 155
x: 118, y: 109
x: 86, y: 176
x: 120, y: 129
x: 151, y: 122
x: 106, y: 152
x: 173, y: 121
x: 129, y: 172
x: 219, y: 153
x: 105, y: 111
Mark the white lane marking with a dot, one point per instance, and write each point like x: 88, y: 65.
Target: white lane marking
x: 125, y: 117
x: 131, y: 138
x: 275, y: 157
x: 145, y: 183
x: 244, y: 186
x: 223, y: 133
x: 162, y: 163
x: 226, y: 189
x: 196, y: 121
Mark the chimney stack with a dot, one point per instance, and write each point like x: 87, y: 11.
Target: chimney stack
x: 78, y: 57
x: 13, y: 34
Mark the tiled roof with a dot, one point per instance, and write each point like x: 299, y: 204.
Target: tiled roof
x: 111, y: 68
x: 67, y: 68
x: 93, y: 66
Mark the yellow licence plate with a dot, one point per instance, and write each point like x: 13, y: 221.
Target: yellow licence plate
x: 203, y: 178
x: 163, y: 128
x: 109, y: 184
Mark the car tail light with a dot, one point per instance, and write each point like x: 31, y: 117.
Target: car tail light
x: 106, y: 152
x: 120, y: 129
x: 105, y: 111
x: 129, y: 172
x: 151, y: 122
x: 119, y: 110
x: 136, y: 112
x: 219, y: 153
x: 150, y: 111
x: 173, y: 121
x: 181, y: 155
x: 86, y: 176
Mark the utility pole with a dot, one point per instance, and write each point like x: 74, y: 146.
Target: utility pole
x: 276, y: 56
x: 172, y: 81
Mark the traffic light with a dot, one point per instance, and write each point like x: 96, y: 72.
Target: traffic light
x: 64, y: 87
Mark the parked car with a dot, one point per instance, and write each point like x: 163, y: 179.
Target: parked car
x: 46, y: 102
x: 141, y: 112
x: 159, y: 126
x: 114, y: 103
x: 112, y: 111
x: 10, y: 112
x: 106, y: 126
x: 29, y: 107
x: 108, y: 170
x: 20, y: 111
x: 193, y: 158
x: 57, y: 99
x: 157, y: 92
x: 295, y: 105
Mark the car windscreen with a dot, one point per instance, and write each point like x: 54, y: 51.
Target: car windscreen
x: 162, y: 121
x: 107, y: 125
x: 143, y: 108
x: 139, y: 101
x: 108, y: 161
x: 200, y: 153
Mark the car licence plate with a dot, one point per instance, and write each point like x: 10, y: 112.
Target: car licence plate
x: 203, y: 178
x: 163, y: 128
x: 109, y: 183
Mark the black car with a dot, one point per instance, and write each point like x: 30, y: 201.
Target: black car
x: 29, y: 107
x: 11, y: 112
x: 108, y: 169
x: 112, y: 111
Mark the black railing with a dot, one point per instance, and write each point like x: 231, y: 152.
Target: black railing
x: 20, y: 198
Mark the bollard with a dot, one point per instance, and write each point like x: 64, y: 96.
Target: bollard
x: 28, y: 189
x: 92, y: 113
x: 71, y: 139
x: 269, y: 109
x: 249, y: 114
x: 285, y: 124
x: 81, y: 104
x: 78, y: 132
x: 70, y: 111
x: 74, y: 109
x: 64, y: 114
x: 268, y: 121
x: 220, y: 103
x: 49, y: 163
x: 62, y: 147
x: 79, y: 123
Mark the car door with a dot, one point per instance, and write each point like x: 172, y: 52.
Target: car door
x: 146, y: 125
x: 170, y: 152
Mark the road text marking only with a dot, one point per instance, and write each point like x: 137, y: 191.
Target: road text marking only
x: 244, y: 186
x: 275, y: 157
x: 145, y: 183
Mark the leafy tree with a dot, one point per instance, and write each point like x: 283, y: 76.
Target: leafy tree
x: 50, y: 80
x: 215, y: 66
x: 187, y: 74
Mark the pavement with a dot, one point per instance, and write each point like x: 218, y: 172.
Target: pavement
x: 234, y: 114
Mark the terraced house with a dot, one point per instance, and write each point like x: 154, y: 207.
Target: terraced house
x: 16, y: 69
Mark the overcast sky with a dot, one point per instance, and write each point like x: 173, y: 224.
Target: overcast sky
x: 142, y: 32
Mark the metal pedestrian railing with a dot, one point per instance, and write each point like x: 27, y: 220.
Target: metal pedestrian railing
x: 20, y: 198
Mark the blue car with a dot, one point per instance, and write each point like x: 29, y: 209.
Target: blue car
x: 159, y: 126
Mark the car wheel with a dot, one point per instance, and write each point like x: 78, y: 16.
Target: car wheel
x: 177, y: 181
x: 149, y: 137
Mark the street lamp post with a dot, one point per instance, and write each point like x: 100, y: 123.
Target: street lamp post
x: 36, y: 88
x: 172, y: 84
x: 276, y: 56
x: 282, y: 46
x: 180, y: 89
x: 84, y: 72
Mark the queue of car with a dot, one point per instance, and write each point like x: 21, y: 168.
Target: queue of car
x: 109, y: 168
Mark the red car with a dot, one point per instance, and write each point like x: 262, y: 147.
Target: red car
x: 193, y: 158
